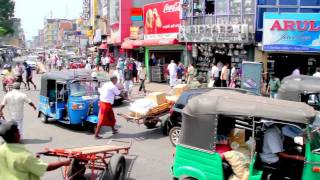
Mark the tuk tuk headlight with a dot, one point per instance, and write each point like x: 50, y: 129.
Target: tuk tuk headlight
x: 77, y: 106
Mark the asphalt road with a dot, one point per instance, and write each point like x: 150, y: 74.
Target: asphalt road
x: 150, y: 156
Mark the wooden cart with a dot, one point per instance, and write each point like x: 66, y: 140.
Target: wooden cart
x: 105, y: 162
x: 151, y: 119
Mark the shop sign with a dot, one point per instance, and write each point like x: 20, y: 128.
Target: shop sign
x: 162, y: 19
x: 216, y: 33
x: 294, y: 32
x: 134, y: 32
x: 115, y: 33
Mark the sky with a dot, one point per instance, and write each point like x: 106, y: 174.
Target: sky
x: 33, y: 12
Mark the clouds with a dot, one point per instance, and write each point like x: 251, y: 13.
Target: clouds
x: 316, y: 42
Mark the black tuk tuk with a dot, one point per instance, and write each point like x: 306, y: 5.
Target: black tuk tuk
x: 302, y: 89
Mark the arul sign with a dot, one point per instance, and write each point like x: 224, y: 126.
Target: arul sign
x: 291, y: 32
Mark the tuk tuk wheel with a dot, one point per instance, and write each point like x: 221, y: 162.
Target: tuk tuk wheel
x: 117, y: 167
x: 43, y: 118
x: 174, y: 135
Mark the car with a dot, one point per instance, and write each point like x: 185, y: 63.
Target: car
x: 172, y: 125
x: 32, y: 61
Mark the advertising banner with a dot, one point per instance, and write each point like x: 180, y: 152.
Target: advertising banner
x: 218, y: 33
x: 294, y: 32
x: 161, y: 20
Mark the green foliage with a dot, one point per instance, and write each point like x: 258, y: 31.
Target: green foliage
x: 6, y: 13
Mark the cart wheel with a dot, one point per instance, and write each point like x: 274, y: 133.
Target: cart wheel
x: 117, y: 167
x: 174, y: 135
x: 43, y: 118
x: 76, y: 170
x: 150, y: 124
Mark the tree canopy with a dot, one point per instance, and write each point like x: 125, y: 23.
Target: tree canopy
x: 6, y: 13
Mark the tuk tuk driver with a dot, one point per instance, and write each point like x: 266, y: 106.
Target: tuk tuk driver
x: 273, y: 153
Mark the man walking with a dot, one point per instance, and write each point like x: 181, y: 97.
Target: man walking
x: 15, y: 100
x: 273, y: 87
x: 29, y: 76
x: 173, y: 69
x: 224, y: 75
x: 128, y: 80
x: 106, y: 116
x: 16, y: 162
x: 215, y: 74
x: 19, y: 71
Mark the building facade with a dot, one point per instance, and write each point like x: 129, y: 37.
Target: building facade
x: 50, y: 33
x: 218, y: 31
x: 288, y: 36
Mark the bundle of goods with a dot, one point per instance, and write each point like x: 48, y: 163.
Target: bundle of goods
x: 154, y: 103
x: 177, y: 91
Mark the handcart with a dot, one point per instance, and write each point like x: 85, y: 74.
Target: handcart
x: 151, y: 119
x: 105, y: 162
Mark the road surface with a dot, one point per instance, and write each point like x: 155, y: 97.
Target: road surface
x: 150, y: 157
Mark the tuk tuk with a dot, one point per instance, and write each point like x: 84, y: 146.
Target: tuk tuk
x: 302, y: 89
x: 70, y: 97
x: 200, y: 155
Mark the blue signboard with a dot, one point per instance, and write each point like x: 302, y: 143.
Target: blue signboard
x: 294, y: 32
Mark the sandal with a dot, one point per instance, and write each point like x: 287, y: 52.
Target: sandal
x: 98, y: 137
x: 115, y: 131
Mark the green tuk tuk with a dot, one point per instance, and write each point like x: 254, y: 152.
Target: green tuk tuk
x: 199, y: 154
x: 302, y: 89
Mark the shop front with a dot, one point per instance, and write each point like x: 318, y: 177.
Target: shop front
x: 161, y: 22
x: 291, y: 40
x: 218, y: 31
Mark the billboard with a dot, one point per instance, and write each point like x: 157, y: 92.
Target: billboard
x: 294, y: 32
x: 162, y: 19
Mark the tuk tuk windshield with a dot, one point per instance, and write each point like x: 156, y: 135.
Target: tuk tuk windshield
x: 315, y: 134
x: 84, y: 88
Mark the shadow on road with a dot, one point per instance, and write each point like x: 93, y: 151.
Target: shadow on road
x: 148, y: 134
x: 36, y: 141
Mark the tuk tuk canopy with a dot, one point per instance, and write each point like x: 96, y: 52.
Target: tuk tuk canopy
x: 200, y: 116
x: 67, y: 76
x: 293, y: 86
x: 237, y: 104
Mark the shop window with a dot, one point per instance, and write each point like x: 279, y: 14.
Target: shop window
x: 235, y: 7
x: 288, y: 10
x: 221, y: 7
x: 197, y: 10
x: 235, y: 19
x: 222, y: 19
x: 209, y: 19
x: 209, y: 6
x: 249, y: 19
x: 310, y: 2
x: 309, y: 10
x: 248, y: 6
x: 288, y: 2
x: 261, y: 11
x: 267, y: 2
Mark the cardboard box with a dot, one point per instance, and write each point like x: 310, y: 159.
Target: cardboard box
x: 172, y: 99
x: 157, y: 97
x: 179, y: 89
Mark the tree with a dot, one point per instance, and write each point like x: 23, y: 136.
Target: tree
x: 6, y: 13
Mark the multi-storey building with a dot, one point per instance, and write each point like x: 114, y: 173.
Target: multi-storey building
x: 50, y: 33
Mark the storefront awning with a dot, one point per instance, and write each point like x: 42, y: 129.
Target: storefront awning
x: 130, y: 44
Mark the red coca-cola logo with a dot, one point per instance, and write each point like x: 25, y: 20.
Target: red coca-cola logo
x: 168, y: 8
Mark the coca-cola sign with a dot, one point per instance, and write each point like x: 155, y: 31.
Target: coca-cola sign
x: 162, y: 19
x: 168, y: 8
